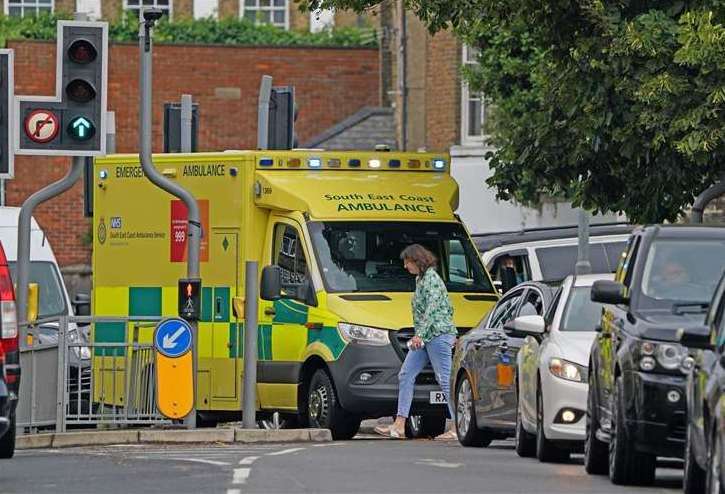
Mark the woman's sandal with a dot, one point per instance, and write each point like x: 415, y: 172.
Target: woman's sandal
x: 449, y: 435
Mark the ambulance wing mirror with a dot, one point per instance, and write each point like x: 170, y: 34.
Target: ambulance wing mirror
x: 306, y: 293
x: 271, y: 287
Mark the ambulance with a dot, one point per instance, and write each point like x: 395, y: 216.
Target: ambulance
x: 327, y: 229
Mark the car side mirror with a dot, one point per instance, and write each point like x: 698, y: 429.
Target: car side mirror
x: 306, y: 293
x: 271, y: 285
x: 697, y: 337
x: 525, y: 325
x: 609, y: 292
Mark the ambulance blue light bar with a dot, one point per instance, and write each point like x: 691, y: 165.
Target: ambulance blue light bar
x: 314, y: 163
x: 439, y: 164
x: 394, y: 163
x: 354, y: 163
x: 266, y: 162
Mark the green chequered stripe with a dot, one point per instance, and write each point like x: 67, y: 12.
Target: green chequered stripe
x: 264, y: 342
x: 142, y: 301
x: 206, y: 303
x: 290, y: 312
x: 329, y: 336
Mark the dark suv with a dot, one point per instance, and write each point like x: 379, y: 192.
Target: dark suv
x: 637, y: 402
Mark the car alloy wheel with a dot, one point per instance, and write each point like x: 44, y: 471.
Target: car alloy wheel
x: 318, y: 404
x: 463, y: 408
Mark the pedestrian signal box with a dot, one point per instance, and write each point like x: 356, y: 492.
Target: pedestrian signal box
x: 190, y: 299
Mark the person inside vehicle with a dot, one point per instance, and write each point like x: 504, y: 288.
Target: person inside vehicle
x: 507, y: 272
x: 671, y: 280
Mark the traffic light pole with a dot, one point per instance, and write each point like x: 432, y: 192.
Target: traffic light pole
x: 24, y: 224
x: 150, y: 17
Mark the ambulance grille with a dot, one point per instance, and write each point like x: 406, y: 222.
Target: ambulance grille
x: 401, y: 337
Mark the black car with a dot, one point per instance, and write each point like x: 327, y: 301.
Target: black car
x: 636, y: 408
x: 483, y: 380
x: 704, y: 464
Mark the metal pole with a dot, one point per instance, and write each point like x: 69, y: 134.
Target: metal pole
x: 249, y: 407
x: 583, y: 266
x: 185, y: 123
x: 110, y: 132
x: 24, y: 222
x: 194, y: 229
x: 265, y: 92
x: 402, y: 75
x: 702, y: 200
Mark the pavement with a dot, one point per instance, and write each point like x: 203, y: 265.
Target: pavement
x: 366, y: 464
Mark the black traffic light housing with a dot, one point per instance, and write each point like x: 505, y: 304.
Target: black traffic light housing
x: 282, y: 116
x: 6, y: 113
x: 190, y: 299
x: 73, y: 123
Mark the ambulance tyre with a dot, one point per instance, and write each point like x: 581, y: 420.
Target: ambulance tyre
x: 324, y: 410
x: 433, y: 425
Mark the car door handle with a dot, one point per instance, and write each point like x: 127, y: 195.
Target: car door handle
x: 269, y: 311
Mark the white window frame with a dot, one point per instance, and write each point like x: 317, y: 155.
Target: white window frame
x: 466, y: 139
x: 141, y: 6
x: 271, y: 9
x: 6, y: 9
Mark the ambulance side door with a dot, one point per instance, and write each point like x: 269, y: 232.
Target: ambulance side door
x: 283, y: 323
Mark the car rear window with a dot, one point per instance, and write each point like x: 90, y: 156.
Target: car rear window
x: 558, y: 262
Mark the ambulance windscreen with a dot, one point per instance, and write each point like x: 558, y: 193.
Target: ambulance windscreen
x: 365, y: 256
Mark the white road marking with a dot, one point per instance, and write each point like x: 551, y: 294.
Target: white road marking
x: 285, y: 451
x: 248, y: 460
x: 241, y: 475
x: 234, y: 491
x: 201, y: 460
x: 438, y: 463
x: 328, y: 444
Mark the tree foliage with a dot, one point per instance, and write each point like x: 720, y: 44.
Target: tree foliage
x: 617, y: 105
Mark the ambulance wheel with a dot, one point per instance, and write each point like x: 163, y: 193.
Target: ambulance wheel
x: 324, y: 410
x: 413, y: 427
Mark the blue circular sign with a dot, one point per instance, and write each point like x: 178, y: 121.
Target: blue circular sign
x: 172, y: 337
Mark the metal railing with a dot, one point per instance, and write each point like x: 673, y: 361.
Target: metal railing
x: 67, y: 380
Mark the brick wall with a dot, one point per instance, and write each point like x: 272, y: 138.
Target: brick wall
x: 443, y: 91
x: 330, y: 84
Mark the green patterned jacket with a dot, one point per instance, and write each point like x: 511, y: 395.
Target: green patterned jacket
x: 432, y: 310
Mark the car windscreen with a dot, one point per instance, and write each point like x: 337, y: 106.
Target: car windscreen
x: 683, y: 270
x: 558, y: 262
x: 51, y: 301
x: 580, y: 313
x: 365, y: 256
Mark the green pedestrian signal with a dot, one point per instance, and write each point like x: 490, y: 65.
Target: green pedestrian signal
x: 81, y: 129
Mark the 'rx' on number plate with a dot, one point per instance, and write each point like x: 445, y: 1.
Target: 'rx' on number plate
x: 437, y: 397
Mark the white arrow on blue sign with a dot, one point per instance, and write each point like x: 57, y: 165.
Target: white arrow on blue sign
x: 172, y: 337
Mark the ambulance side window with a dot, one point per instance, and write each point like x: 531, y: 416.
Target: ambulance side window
x: 289, y: 255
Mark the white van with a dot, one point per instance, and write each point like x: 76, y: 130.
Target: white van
x: 44, y: 269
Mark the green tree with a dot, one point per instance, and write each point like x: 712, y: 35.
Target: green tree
x: 614, y: 105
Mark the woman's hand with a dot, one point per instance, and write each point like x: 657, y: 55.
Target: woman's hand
x: 416, y: 343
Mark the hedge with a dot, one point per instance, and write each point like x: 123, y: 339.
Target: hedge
x: 229, y: 31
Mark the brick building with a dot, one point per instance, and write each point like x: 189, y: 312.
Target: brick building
x: 224, y: 80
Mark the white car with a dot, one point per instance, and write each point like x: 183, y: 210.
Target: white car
x: 552, y: 372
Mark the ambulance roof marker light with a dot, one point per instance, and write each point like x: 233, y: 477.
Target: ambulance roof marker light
x: 353, y: 163
x: 294, y: 162
x: 266, y: 162
x: 314, y: 163
x: 333, y: 163
x: 374, y: 163
x: 413, y: 163
x: 394, y: 163
x: 439, y: 164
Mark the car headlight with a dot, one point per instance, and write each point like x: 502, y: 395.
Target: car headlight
x: 563, y: 369
x: 669, y: 356
x: 353, y: 333
x: 81, y: 352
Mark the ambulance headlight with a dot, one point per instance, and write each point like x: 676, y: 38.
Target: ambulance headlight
x: 81, y: 352
x: 364, y: 335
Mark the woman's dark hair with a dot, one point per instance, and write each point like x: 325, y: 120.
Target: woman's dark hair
x: 420, y: 256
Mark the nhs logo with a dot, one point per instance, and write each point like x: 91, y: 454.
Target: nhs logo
x: 116, y: 222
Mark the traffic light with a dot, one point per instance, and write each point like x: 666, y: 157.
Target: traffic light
x: 190, y: 299
x: 73, y: 123
x: 6, y: 113
x: 282, y: 115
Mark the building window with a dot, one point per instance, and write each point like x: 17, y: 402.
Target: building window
x: 473, y: 106
x: 275, y: 12
x: 135, y: 6
x: 22, y: 8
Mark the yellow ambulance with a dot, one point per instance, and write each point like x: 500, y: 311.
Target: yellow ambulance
x: 333, y: 225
